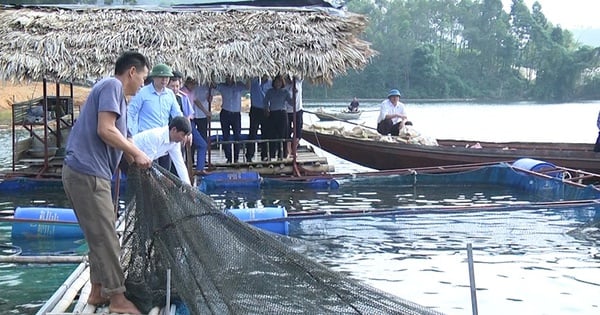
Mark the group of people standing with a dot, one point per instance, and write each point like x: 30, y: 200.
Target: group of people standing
x: 112, y: 133
x: 275, y: 110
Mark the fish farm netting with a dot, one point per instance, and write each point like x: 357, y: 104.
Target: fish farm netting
x: 221, y: 265
x: 549, y: 188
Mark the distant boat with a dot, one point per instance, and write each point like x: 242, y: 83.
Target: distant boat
x: 341, y: 115
x: 393, y: 153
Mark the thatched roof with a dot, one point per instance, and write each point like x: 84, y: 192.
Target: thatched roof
x: 82, y: 44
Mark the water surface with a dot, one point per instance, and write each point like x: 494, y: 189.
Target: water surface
x: 526, y: 261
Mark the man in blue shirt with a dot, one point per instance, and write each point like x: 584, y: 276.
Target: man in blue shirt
x: 258, y: 89
x: 94, y: 149
x: 198, y: 142
x: 153, y: 105
x: 230, y: 116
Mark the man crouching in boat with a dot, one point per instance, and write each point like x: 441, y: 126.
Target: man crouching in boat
x: 392, y: 115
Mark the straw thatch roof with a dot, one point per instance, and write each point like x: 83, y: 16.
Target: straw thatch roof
x: 81, y: 45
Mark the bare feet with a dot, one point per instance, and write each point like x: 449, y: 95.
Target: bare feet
x: 120, y: 304
x: 95, y: 297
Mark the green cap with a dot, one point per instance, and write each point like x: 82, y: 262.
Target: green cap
x: 161, y: 70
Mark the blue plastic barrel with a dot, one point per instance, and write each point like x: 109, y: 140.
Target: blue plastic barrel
x: 230, y: 180
x: 537, y: 166
x: 65, y: 227
x: 257, y: 214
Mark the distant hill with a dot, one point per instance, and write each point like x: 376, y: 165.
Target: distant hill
x: 587, y: 36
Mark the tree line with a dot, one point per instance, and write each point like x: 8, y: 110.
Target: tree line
x: 467, y: 49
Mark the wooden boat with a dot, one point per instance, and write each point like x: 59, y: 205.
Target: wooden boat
x: 342, y: 115
x: 384, y: 154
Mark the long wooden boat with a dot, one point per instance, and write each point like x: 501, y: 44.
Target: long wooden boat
x: 383, y: 154
x: 342, y: 115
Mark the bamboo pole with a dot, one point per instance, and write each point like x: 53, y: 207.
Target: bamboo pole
x: 42, y: 259
x: 61, y: 290
x: 71, y: 292
x: 82, y: 300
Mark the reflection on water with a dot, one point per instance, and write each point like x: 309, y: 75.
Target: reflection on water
x: 524, y: 261
x: 369, y: 195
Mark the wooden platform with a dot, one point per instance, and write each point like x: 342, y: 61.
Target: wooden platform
x: 307, y: 162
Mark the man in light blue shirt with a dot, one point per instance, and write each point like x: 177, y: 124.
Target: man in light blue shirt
x: 198, y: 142
x: 230, y: 116
x: 153, y: 105
x: 258, y: 89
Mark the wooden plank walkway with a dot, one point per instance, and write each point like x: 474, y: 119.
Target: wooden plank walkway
x: 307, y: 162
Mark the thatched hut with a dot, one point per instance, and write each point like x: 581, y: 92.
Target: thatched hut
x: 80, y: 44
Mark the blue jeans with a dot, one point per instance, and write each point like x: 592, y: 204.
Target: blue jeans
x: 199, y: 145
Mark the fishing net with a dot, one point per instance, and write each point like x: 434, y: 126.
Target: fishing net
x: 220, y: 265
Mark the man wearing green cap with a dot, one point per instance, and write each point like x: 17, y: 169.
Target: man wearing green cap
x: 153, y: 105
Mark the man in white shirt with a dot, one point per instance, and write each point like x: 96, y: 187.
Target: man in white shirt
x: 392, y: 115
x: 160, y: 141
x: 294, y: 86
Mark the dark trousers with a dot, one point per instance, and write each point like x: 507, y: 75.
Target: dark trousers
x: 597, y: 146
x: 297, y: 128
x: 257, y: 120
x: 164, y: 161
x: 202, y: 127
x: 277, y: 129
x: 387, y: 127
x: 231, y: 122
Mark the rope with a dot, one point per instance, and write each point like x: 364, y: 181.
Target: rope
x: 12, y: 250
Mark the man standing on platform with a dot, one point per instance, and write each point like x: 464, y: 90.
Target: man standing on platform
x: 258, y: 89
x: 94, y: 149
x: 153, y: 106
x: 198, y: 143
x: 295, y: 113
x: 230, y: 116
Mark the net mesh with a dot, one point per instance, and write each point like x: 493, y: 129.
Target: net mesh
x: 220, y: 265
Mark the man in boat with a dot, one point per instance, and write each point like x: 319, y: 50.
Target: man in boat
x: 153, y: 105
x: 94, y: 149
x: 392, y: 115
x: 353, y: 107
x: 160, y: 141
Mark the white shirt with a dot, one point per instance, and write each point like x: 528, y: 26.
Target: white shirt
x: 288, y: 87
x: 155, y: 143
x: 387, y: 108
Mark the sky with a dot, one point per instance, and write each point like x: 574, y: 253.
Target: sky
x: 569, y: 14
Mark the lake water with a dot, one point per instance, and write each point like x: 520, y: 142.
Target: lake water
x: 525, y: 260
